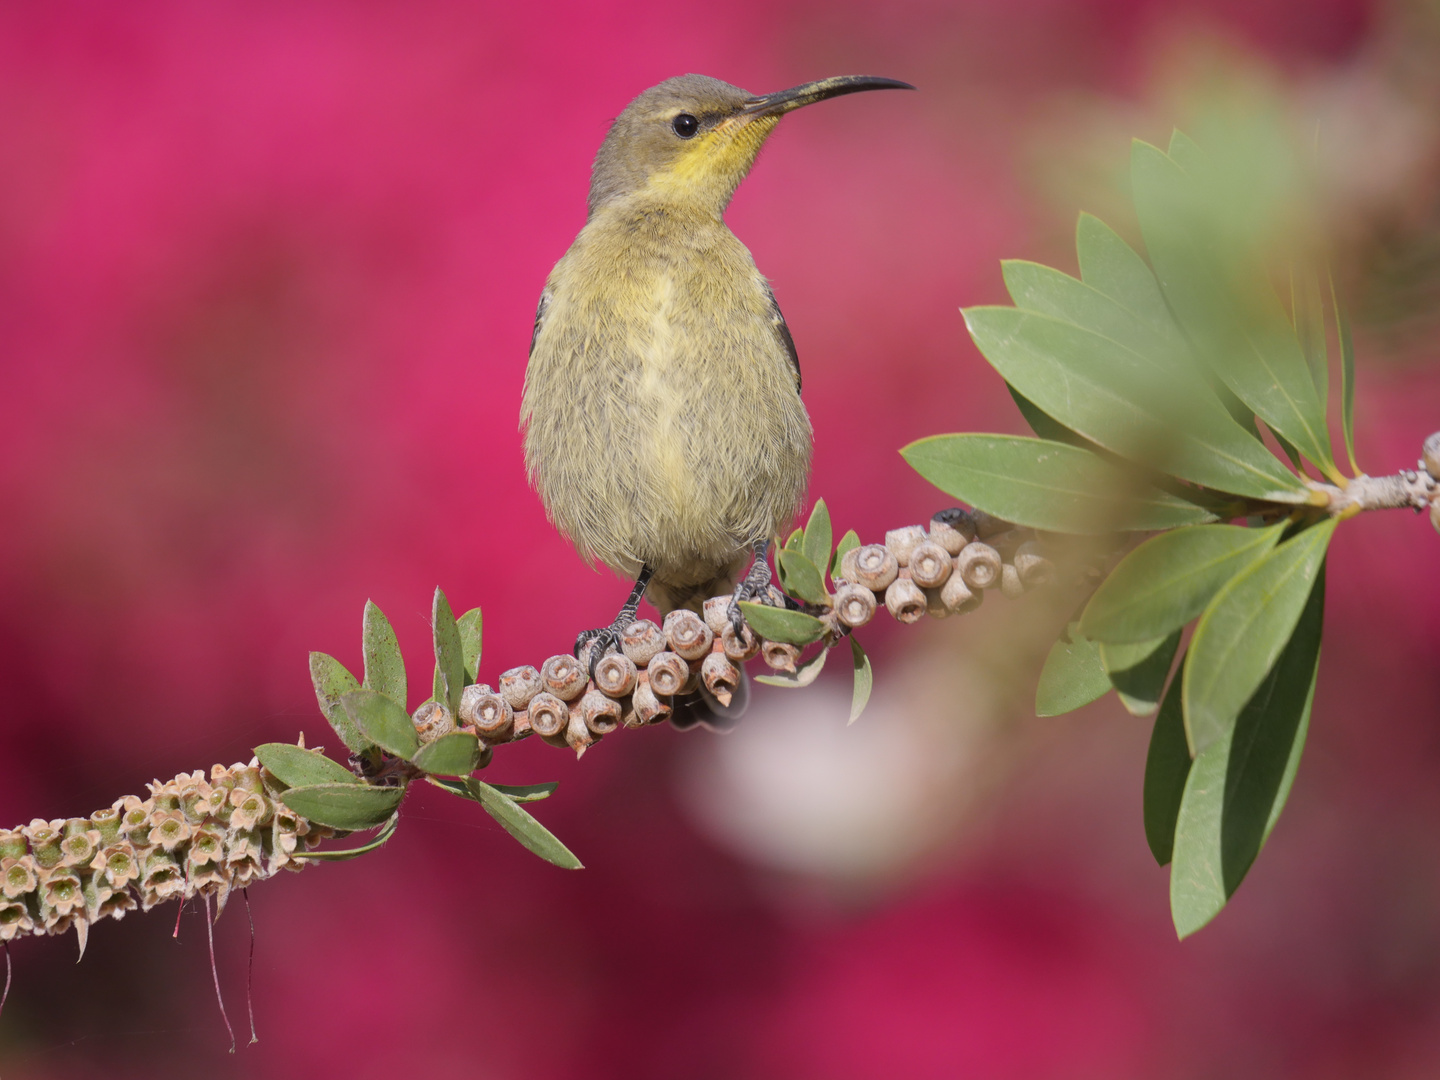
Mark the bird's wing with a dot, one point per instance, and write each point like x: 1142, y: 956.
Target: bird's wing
x: 782, y: 332
x: 545, y: 303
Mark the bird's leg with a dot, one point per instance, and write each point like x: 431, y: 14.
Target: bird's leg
x: 607, y: 638
x: 755, y: 586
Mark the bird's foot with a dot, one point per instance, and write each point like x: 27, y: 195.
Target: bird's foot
x: 758, y: 586
x: 601, y: 641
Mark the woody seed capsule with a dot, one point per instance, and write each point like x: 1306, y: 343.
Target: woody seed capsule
x: 1435, y: 514
x: 957, y: 597
x: 488, y: 712
x: 979, y: 564
x: 952, y: 530
x: 1431, y: 455
x: 741, y: 647
x: 875, y: 567
x: 668, y: 673
x: 930, y: 565
x: 564, y: 676
x: 432, y: 720
x: 717, y: 613
x: 687, y: 634
x: 847, y: 566
x: 904, y: 600
x: 722, y: 678
x: 600, y: 713
x: 1035, y: 569
x: 519, y: 685
x: 616, y: 674
x: 641, y: 640
x: 577, y: 735
x: 648, y: 708
x: 854, y: 604
x: 1010, y: 582
x: 549, y: 716
x: 987, y: 526
x: 780, y: 655
x: 904, y: 541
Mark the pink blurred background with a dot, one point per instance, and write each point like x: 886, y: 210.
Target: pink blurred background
x: 267, y: 276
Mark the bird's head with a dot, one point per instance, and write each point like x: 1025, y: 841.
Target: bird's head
x: 691, y: 140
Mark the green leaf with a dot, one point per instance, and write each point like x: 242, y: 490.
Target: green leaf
x: 527, y: 792
x: 1242, y: 632
x: 1167, y: 764
x: 795, y: 541
x: 521, y: 825
x: 449, y: 654
x: 387, y: 830
x: 382, y: 722
x: 469, y: 625
x: 848, y: 543
x: 455, y: 754
x: 1109, y: 265
x: 1045, y: 485
x: 1127, y: 403
x: 819, y: 535
x: 1073, y: 676
x: 864, y: 679
x: 1184, y: 151
x: 351, y: 807
x: 1138, y: 672
x: 802, y: 577
x: 1171, y: 578
x: 332, y: 682
x: 1347, y: 376
x: 1044, y: 425
x: 295, y: 766
x: 1309, y: 313
x: 1239, y: 785
x: 384, y: 668
x: 804, y: 675
x: 779, y: 624
x: 1224, y: 303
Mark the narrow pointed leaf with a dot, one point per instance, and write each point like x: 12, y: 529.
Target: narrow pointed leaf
x: 1110, y: 265
x: 819, y: 535
x: 1127, y: 403
x: 351, y: 807
x: 527, y: 792
x: 1139, y: 672
x: 469, y: 625
x: 455, y: 754
x: 1239, y: 785
x: 449, y: 654
x: 1046, y: 485
x: 1044, y: 425
x: 386, y: 832
x: 521, y: 825
x: 1170, y: 579
x: 383, y: 722
x: 332, y: 682
x: 849, y: 542
x: 1227, y: 307
x: 384, y: 668
x: 795, y: 541
x: 864, y: 679
x: 802, y: 577
x: 1309, y: 313
x: 294, y: 766
x: 1242, y: 632
x: 1167, y: 766
x: 779, y: 624
x: 804, y: 675
x: 1347, y: 377
x: 1073, y: 676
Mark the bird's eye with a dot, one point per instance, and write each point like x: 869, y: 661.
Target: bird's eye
x: 685, y: 125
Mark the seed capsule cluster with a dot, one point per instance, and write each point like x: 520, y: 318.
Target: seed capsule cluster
x: 940, y: 570
x: 193, y: 836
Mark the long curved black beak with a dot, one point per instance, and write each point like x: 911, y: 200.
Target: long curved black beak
x: 783, y: 101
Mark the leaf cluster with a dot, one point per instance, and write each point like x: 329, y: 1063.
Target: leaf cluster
x: 1150, y: 387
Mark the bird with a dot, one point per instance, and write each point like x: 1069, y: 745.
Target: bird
x: 661, y: 411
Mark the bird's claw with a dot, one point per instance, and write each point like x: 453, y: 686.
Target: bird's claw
x: 756, y: 586
x: 603, y: 640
